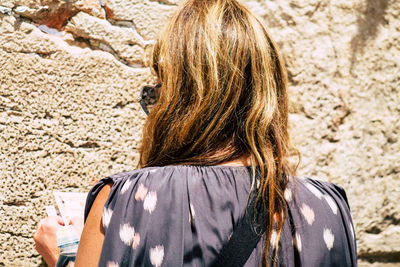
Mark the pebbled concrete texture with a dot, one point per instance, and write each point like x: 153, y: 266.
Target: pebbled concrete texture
x: 71, y: 70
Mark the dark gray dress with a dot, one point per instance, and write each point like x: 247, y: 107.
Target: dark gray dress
x: 182, y: 216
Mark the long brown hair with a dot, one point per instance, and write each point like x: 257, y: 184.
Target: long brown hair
x: 223, y: 97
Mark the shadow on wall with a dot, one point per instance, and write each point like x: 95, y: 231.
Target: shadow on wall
x: 368, y: 23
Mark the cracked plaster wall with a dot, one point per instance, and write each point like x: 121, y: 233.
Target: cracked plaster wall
x: 70, y: 72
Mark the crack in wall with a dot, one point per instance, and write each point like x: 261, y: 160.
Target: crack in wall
x: 131, y: 25
x: 387, y: 257
x: 21, y: 12
x: 94, y: 44
x: 166, y: 2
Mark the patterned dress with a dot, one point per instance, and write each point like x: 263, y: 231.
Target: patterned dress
x: 183, y: 215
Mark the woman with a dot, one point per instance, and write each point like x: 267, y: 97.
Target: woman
x: 216, y: 137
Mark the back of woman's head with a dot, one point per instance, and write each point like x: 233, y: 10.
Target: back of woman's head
x: 223, y: 95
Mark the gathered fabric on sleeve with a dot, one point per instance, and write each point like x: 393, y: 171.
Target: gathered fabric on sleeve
x: 183, y: 215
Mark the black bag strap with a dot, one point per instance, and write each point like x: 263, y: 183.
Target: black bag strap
x: 244, y: 238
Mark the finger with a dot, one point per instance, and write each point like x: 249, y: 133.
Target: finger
x: 60, y: 221
x: 76, y: 221
x: 55, y: 220
x: 39, y: 225
x: 49, y: 223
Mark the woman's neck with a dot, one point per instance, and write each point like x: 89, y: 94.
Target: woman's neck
x: 242, y: 161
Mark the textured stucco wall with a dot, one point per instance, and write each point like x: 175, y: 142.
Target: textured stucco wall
x: 70, y: 72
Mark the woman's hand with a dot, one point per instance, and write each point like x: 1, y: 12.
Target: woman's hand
x: 46, y: 239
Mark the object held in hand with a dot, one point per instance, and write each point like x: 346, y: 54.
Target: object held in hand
x: 51, y: 211
x: 70, y: 205
x: 67, y: 241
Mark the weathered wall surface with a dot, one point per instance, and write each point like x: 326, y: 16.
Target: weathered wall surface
x: 70, y: 72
